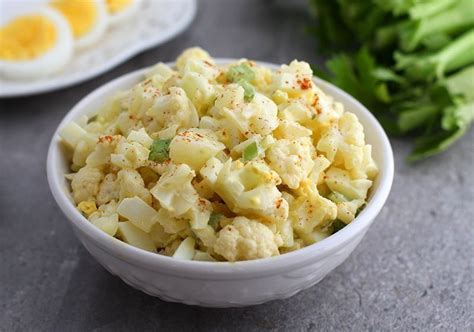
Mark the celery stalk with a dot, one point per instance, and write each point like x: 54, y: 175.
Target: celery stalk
x: 454, y: 56
x: 461, y: 83
x: 425, y: 9
x: 454, y: 19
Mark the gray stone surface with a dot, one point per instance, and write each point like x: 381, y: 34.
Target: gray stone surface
x: 413, y: 271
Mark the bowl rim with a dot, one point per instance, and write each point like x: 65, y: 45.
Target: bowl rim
x: 271, y: 265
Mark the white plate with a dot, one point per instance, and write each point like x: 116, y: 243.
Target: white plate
x: 156, y: 22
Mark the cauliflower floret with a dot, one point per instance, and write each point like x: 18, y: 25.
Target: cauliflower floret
x: 297, y: 67
x: 329, y: 142
x: 193, y: 53
x: 246, y: 239
x: 292, y: 159
x: 194, y: 147
x: 295, y: 79
x: 174, y: 109
x: 349, y: 155
x: 132, y: 184
x: 129, y: 155
x: 126, y: 123
x: 159, y: 74
x: 104, y: 147
x: 351, y: 129
x: 344, y: 144
x: 85, y: 184
x: 175, y: 191
x: 141, y: 98
x: 263, y: 113
x: 109, y: 189
x: 204, y: 67
x: 327, y: 112
x: 141, y: 137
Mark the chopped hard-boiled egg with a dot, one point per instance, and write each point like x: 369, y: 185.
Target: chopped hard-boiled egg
x: 120, y: 10
x: 88, y: 19
x: 186, y: 249
x: 34, y: 44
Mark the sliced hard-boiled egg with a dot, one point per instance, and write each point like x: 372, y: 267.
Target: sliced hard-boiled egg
x: 88, y: 19
x: 121, y: 10
x: 34, y: 44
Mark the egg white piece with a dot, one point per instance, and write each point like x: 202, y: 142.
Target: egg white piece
x: 100, y: 26
x: 50, y: 62
x: 125, y: 14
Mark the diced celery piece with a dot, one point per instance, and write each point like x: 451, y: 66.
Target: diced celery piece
x: 250, y: 151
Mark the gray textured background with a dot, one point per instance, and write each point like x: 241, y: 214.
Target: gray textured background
x: 413, y: 270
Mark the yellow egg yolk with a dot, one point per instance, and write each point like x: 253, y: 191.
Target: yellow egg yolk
x: 26, y: 37
x: 115, y: 6
x: 81, y: 14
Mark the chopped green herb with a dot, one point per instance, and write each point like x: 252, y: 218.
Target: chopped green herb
x: 160, y: 150
x: 250, y: 152
x: 214, y: 220
x: 92, y: 119
x: 337, y: 225
x: 240, y: 72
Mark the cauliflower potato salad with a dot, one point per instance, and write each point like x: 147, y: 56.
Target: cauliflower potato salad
x: 220, y: 162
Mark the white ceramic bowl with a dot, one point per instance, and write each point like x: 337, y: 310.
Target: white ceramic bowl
x: 221, y: 284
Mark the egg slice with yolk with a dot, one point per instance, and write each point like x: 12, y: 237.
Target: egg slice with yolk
x: 121, y: 10
x: 35, y: 44
x: 88, y: 19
